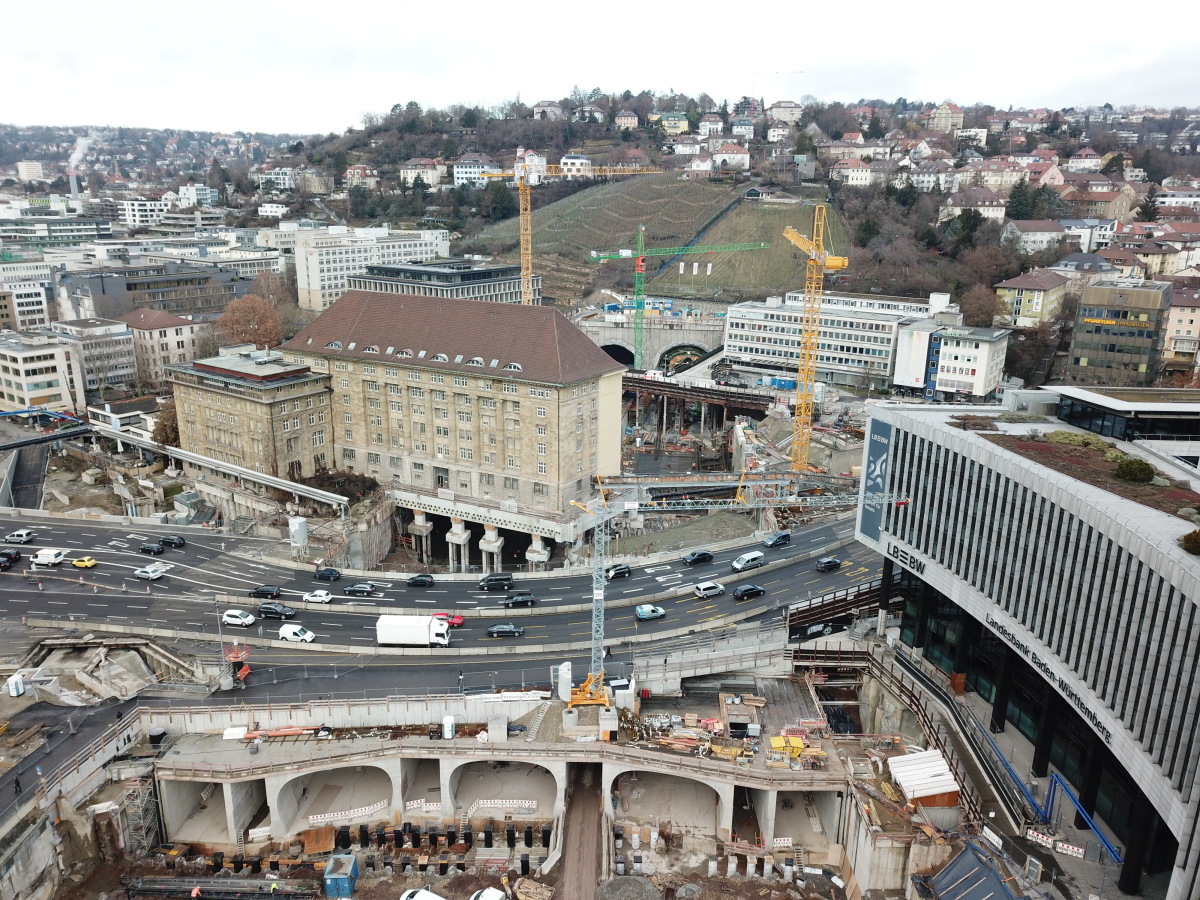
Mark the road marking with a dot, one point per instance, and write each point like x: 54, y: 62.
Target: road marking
x: 426, y: 601
x: 117, y: 544
x: 672, y: 577
x: 656, y: 568
x: 17, y: 600
x: 333, y: 624
x: 58, y: 602
x: 138, y: 537
x: 101, y: 605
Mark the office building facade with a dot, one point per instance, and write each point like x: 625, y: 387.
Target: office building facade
x: 457, y: 278
x: 1119, y: 332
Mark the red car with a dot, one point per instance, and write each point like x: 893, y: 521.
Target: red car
x: 451, y: 619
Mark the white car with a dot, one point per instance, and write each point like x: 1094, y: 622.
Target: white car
x: 23, y: 536
x: 238, y: 617
x: 648, y: 611
x: 318, y: 597
x: 149, y: 573
x: 709, y: 589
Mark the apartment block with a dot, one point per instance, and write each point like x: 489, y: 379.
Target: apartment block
x: 25, y: 306
x: 142, y: 213
x: 252, y: 409
x: 461, y: 279
x: 167, y: 287
x: 53, y: 231
x: 325, y: 259
x: 38, y: 370
x: 159, y: 340
x: 198, y: 195
x: 1119, y: 332
x: 103, y: 348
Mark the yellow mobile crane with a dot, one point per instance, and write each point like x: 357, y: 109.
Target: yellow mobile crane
x: 819, y: 262
x: 521, y: 174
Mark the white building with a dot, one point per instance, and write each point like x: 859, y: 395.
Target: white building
x: 1032, y: 235
x: 41, y: 372
x: 29, y: 305
x: 26, y: 267
x: 277, y: 178
x: 576, y: 165
x: 103, y: 347
x: 325, y: 259
x: 197, y: 195
x: 470, y: 169
x: 272, y: 210
x: 30, y: 170
x: 949, y: 362
x: 142, y: 213
x: 788, y: 111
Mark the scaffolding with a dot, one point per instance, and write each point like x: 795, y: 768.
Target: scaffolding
x: 141, y: 814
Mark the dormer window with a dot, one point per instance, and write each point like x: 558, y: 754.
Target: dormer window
x: 475, y: 361
x: 371, y: 349
x: 512, y: 367
x: 334, y: 345
x: 405, y: 354
x: 440, y: 357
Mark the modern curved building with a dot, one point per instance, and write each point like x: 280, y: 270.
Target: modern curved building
x: 1070, y: 609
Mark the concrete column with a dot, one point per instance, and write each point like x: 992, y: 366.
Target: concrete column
x: 491, y: 544
x: 1089, y: 785
x: 1045, y: 732
x: 1134, y: 858
x: 766, y: 804
x: 538, y: 552
x: 724, y: 809
x: 968, y: 636
x: 1003, y: 687
x: 458, y: 540
x: 421, y: 528
x: 924, y: 604
x: 885, y: 597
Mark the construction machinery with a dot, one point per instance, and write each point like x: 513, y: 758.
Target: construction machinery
x: 524, y: 174
x: 819, y: 262
x: 639, y: 277
x: 590, y: 693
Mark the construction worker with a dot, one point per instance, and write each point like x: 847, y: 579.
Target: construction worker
x: 196, y: 891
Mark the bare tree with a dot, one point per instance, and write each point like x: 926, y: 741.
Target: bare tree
x: 208, y: 341
x: 166, y: 425
x: 980, y: 306
x: 251, y: 320
x: 272, y: 287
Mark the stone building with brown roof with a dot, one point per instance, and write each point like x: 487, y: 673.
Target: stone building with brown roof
x: 490, y: 415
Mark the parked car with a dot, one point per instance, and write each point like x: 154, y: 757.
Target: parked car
x: 275, y: 611
x: 828, y: 564
x: 148, y: 573
x: 362, y: 589
x: 452, y: 619
x: 420, y: 581
x: 618, y: 570
x: 698, y: 556
x: 327, y: 574
x: 709, y: 589
x: 153, y: 549
x: 647, y: 611
x: 265, y: 592
x: 778, y: 539
x: 506, y: 629
x: 747, y: 592
x: 84, y: 562
x: 318, y: 597
x: 172, y: 540
x: 21, y: 536
x: 521, y: 598
x: 238, y: 617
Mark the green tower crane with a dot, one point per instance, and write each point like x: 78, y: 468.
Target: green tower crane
x: 639, y: 277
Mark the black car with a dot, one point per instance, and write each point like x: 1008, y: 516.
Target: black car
x: 828, y: 564
x: 747, y: 592
x: 5, y: 563
x: 778, y: 539
x: 521, y: 598
x: 619, y: 570
x: 265, y: 592
x: 420, y: 581
x: 697, y: 556
x: 327, y: 574
x: 505, y: 630
x: 275, y: 611
x: 11, y: 555
x: 154, y: 549
x: 362, y: 589
x: 172, y: 540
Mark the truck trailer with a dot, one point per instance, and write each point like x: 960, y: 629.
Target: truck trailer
x: 412, y: 631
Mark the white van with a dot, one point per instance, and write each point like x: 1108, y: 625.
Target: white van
x: 293, y: 632
x: 746, y: 561
x: 47, y: 558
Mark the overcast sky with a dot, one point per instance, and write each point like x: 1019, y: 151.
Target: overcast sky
x: 304, y: 67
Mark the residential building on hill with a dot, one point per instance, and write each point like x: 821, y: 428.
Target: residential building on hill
x: 159, y: 340
x: 191, y: 195
x: 788, y: 111
x: 946, y: 118
x: 252, y: 409
x: 1033, y: 297
x: 471, y: 169
x: 1032, y: 235
x: 499, y: 421
x: 626, y: 119
x: 1119, y: 332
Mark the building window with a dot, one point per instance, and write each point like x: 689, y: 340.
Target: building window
x: 541, y: 489
x: 347, y: 453
x: 510, y: 484
x: 541, y: 468
x: 541, y: 412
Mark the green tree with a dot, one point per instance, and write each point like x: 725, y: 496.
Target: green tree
x: 1147, y: 210
x: 498, y: 202
x: 874, y: 128
x: 1114, y: 166
x: 470, y: 119
x: 1020, y: 201
x: 866, y: 229
x: 360, y: 200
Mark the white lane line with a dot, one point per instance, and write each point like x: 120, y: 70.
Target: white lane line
x: 101, y: 605
x: 426, y: 601
x: 58, y: 602
x: 17, y: 600
x: 333, y: 624
x: 632, y: 591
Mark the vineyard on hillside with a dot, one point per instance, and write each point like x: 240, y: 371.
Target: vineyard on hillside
x: 674, y: 212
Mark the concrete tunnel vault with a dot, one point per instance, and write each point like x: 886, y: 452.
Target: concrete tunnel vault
x: 498, y: 788
x: 695, y: 808
x: 346, y: 795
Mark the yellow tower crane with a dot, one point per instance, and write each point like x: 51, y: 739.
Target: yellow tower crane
x: 819, y: 262
x: 521, y: 174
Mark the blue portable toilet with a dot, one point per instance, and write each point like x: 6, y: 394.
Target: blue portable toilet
x: 341, y: 875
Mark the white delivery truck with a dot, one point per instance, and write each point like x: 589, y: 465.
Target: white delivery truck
x: 412, y: 631
x: 47, y: 558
